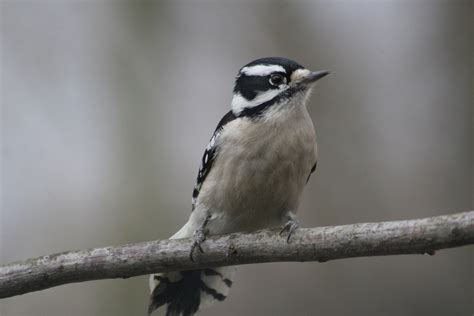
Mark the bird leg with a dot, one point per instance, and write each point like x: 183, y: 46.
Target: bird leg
x: 291, y: 225
x: 199, y: 236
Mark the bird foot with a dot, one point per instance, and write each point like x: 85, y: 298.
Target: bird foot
x: 199, y: 237
x: 290, y: 226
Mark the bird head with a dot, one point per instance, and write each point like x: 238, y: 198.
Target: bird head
x: 268, y: 81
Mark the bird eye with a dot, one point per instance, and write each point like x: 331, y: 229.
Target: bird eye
x: 277, y: 79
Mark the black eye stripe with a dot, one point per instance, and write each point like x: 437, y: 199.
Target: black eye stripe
x: 249, y: 86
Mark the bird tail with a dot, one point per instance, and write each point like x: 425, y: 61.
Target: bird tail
x: 186, y: 292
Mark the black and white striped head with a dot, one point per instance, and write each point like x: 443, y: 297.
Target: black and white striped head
x: 268, y: 81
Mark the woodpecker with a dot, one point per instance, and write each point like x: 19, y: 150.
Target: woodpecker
x: 251, y: 176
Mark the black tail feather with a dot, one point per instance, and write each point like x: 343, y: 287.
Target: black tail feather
x: 181, y: 291
x: 182, y: 296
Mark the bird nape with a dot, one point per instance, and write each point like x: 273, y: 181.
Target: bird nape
x: 251, y: 176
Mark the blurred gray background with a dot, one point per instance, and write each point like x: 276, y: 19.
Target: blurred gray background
x: 107, y: 107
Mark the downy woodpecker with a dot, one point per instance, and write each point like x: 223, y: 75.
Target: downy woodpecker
x: 251, y: 177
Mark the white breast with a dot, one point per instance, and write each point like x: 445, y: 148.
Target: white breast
x: 260, y: 171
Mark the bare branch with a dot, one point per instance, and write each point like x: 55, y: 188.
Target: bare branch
x: 311, y: 244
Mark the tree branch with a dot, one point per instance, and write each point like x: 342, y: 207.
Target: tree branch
x: 311, y: 244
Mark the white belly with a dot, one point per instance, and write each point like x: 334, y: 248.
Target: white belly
x: 259, y: 173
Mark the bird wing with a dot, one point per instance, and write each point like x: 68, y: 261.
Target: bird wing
x: 313, y: 169
x: 210, y: 154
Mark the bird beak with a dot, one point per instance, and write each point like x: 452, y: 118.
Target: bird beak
x: 306, y: 77
x: 314, y: 76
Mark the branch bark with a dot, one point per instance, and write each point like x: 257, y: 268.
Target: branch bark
x: 321, y: 244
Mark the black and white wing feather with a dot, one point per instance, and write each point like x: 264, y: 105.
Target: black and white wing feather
x: 210, y: 155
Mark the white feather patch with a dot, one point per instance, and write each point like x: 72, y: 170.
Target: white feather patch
x: 299, y: 74
x: 261, y: 70
x: 239, y: 103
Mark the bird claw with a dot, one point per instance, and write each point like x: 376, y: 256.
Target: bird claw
x: 199, y: 237
x: 290, y: 226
